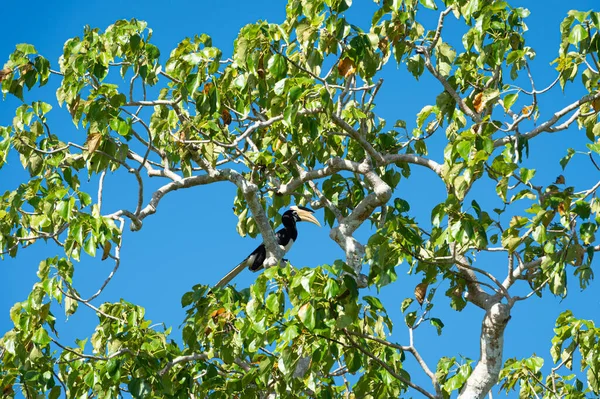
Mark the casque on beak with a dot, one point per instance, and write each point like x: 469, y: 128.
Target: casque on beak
x: 305, y: 214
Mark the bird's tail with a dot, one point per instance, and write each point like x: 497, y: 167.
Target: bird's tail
x: 230, y: 276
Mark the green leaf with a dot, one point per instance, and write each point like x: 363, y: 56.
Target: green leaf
x: 429, y: 4
x: 400, y: 124
x: 54, y: 392
x: 578, y: 33
x: 134, y: 42
x: 509, y: 100
x: 272, y: 302
x: 374, y: 302
x: 71, y: 306
x: 291, y: 332
x: 41, y: 337
x: 565, y: 160
x: 410, y: 318
x: 277, y: 66
x: 401, y: 205
x: 438, y: 324
x: 527, y: 174
x: 463, y: 148
x: 90, y: 245
x: 26, y: 49
x: 139, y: 388
x: 405, y: 304
x: 416, y: 65
x: 307, y: 315
x: 332, y: 289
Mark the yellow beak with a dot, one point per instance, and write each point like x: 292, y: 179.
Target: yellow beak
x: 306, y: 215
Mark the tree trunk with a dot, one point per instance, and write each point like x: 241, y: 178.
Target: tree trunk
x: 488, y: 367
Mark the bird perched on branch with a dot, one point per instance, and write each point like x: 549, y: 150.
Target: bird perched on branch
x: 285, y: 238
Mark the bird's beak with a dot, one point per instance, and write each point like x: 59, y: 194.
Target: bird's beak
x: 307, y: 216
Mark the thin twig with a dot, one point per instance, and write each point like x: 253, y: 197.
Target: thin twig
x: 182, y: 359
x: 387, y: 367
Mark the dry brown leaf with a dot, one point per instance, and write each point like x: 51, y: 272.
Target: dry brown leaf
x: 207, y: 87
x: 478, y: 102
x: 4, y: 73
x: 73, y: 106
x: 215, y: 314
x: 420, y: 292
x: 260, y: 70
x: 346, y: 67
x: 93, y: 141
x: 226, y: 116
x: 561, y: 208
x: 106, y: 250
x: 579, y: 255
x: 7, y: 391
x: 595, y: 104
x: 560, y: 180
x: 384, y: 45
x: 527, y: 111
x: 26, y: 68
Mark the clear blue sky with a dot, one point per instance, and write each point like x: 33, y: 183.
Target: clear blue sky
x: 189, y: 240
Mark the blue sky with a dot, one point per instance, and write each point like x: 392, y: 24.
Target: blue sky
x: 188, y: 240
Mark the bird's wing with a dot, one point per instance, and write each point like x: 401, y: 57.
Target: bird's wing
x: 284, y: 240
x: 255, y: 260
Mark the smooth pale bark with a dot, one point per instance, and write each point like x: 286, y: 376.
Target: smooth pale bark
x: 486, y: 372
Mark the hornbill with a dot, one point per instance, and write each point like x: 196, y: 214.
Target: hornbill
x: 285, y: 238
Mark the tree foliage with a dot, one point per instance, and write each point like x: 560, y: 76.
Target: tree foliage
x: 291, y: 117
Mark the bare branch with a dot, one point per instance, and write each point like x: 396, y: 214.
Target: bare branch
x: 187, y: 182
x: 333, y: 165
x: 411, y: 349
x: 152, y: 103
x: 91, y: 357
x: 379, y: 160
x: 387, y: 367
x: 548, y: 125
x: 440, y: 26
x: 182, y: 359
x: 542, y: 91
x: 100, y: 188
x: 117, y: 258
x: 77, y: 298
x: 461, y: 104
x: 414, y: 159
x: 474, y: 294
x: 324, y: 200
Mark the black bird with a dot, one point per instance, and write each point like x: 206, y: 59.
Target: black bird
x: 285, y: 238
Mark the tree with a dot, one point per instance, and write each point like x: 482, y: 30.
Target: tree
x: 291, y: 118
